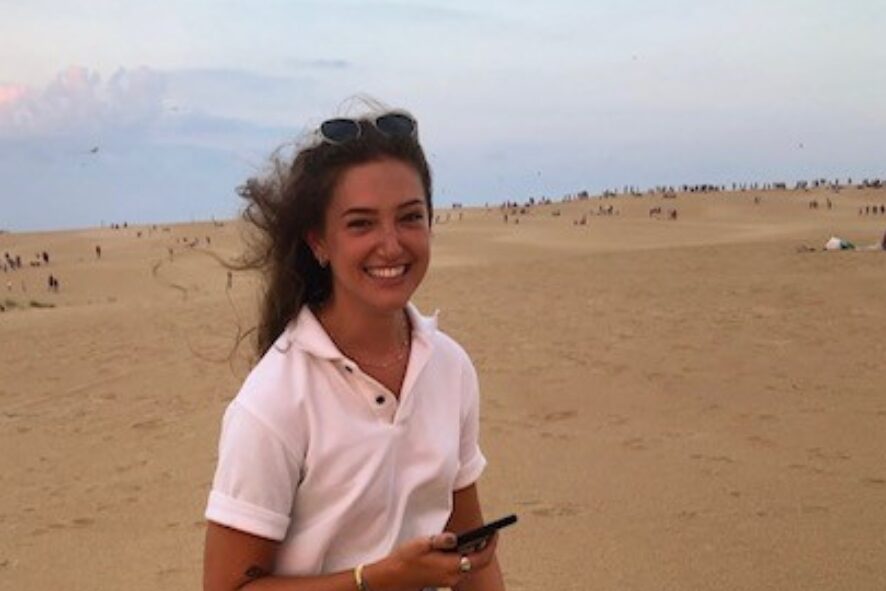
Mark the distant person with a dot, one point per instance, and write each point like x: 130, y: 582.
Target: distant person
x: 98, y: 252
x: 350, y: 454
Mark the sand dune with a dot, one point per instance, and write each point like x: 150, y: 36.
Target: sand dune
x: 688, y: 404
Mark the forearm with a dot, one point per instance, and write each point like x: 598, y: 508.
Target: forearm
x: 377, y: 576
x: 343, y: 581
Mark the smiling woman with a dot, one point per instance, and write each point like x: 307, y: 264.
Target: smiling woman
x: 350, y: 456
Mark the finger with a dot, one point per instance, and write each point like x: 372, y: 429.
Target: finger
x: 444, y: 541
x: 481, y: 558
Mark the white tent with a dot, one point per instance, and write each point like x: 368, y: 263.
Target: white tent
x: 838, y: 244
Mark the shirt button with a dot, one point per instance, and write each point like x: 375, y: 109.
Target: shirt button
x: 379, y: 400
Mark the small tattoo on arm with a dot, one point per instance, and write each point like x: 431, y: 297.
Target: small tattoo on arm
x: 256, y: 572
x: 252, y: 573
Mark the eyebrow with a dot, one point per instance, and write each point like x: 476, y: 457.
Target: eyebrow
x: 369, y: 210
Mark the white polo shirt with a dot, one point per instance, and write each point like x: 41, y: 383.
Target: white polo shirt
x: 322, y: 457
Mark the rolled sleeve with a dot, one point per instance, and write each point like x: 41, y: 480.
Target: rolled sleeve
x: 471, y: 459
x: 256, y: 477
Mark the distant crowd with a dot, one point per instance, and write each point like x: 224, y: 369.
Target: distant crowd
x: 872, y: 210
x: 670, y: 191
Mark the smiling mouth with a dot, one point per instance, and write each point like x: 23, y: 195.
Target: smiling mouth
x: 387, y: 272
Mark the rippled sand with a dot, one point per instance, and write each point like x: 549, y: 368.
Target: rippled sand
x: 688, y: 404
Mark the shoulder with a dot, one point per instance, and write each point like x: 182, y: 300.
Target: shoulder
x: 451, y: 351
x: 275, y: 388
x: 445, y: 348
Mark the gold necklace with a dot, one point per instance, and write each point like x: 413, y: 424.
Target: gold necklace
x: 401, y: 354
x: 402, y: 349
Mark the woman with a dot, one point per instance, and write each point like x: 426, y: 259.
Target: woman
x: 350, y: 454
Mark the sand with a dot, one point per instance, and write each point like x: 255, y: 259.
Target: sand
x: 689, y: 404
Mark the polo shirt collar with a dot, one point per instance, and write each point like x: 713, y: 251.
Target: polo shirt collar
x: 306, y: 332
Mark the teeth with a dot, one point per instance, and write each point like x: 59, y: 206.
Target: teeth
x: 386, y: 272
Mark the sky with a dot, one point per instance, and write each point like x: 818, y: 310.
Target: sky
x: 151, y: 112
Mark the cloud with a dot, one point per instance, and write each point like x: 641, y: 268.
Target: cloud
x: 162, y: 154
x: 225, y: 108
x: 77, y: 102
x: 320, y: 64
x: 420, y: 11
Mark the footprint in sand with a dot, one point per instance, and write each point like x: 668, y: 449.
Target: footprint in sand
x: 634, y: 444
x: 561, y: 415
x: 874, y: 481
x: 82, y: 521
x: 806, y: 468
x: 617, y: 420
x: 149, y: 424
x: 127, y: 467
x: 761, y: 441
x: 556, y: 510
x: 720, y: 459
x: 820, y: 454
x: 560, y: 437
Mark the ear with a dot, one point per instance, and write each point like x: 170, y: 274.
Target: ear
x: 318, y: 246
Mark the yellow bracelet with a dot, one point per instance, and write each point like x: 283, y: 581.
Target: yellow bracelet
x: 358, y: 578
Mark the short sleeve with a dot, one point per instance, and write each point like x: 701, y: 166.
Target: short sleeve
x: 471, y: 459
x: 256, y: 477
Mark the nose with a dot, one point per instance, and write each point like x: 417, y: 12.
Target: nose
x: 390, y: 246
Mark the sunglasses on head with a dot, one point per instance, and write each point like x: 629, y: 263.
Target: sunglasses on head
x: 395, y: 124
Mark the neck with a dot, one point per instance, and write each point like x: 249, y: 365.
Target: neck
x: 371, y: 333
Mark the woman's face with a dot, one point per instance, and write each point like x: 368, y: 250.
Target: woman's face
x: 376, y: 237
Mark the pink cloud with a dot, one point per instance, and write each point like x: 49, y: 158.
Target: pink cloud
x: 77, y: 100
x: 11, y: 94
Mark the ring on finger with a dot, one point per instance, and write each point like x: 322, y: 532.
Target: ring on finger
x: 464, y: 565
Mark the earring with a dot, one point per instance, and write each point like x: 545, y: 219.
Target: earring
x: 321, y: 260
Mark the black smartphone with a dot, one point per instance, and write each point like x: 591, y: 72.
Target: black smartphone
x: 476, y: 539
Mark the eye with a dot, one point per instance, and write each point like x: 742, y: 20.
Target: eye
x: 414, y: 216
x: 359, y: 223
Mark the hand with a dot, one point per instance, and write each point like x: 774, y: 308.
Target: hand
x: 426, y: 562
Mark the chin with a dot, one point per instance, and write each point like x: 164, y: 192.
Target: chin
x: 390, y: 304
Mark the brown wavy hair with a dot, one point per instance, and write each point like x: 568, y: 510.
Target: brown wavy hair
x: 288, y: 202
